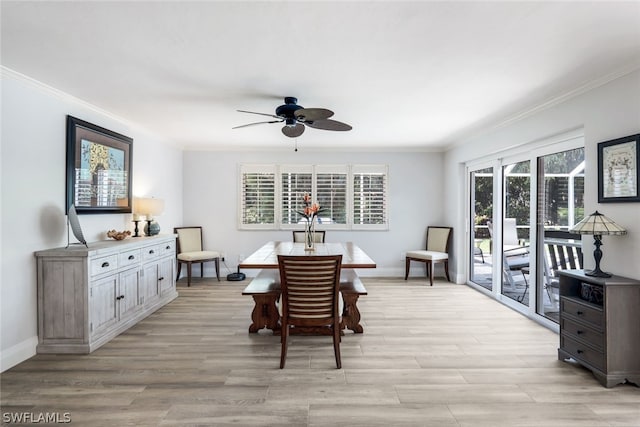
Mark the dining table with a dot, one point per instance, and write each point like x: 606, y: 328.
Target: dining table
x: 267, y: 255
x: 265, y: 286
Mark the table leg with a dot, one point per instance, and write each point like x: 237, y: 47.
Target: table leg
x: 265, y: 314
x: 351, y: 314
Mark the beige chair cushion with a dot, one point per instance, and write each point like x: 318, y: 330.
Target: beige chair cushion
x: 197, y: 255
x: 428, y: 255
x: 438, y: 239
x: 190, y: 240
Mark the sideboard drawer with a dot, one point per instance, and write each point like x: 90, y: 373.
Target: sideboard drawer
x: 168, y: 248
x: 131, y: 257
x: 104, y: 264
x: 583, y: 333
x: 151, y: 252
x: 582, y: 352
x: 584, y: 312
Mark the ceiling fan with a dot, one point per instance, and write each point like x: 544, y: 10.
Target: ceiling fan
x: 296, y: 117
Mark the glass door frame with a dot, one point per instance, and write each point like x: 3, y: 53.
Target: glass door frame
x: 530, y: 151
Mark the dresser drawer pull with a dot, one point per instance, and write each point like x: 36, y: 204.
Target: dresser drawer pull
x: 105, y: 264
x: 131, y: 257
x: 579, y: 313
x: 152, y: 251
x: 578, y: 351
x: 579, y: 332
x: 168, y: 247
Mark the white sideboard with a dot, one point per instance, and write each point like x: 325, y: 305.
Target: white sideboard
x: 88, y: 295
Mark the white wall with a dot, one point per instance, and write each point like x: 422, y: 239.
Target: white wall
x: 415, y: 188
x: 606, y: 112
x: 33, y: 195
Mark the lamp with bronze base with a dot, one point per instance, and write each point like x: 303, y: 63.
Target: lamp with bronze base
x: 598, y: 225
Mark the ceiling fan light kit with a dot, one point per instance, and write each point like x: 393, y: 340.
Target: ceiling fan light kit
x: 296, y: 118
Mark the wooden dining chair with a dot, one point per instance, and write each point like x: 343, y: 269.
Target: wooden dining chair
x: 310, y: 287
x: 298, y: 236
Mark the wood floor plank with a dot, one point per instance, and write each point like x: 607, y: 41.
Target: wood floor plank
x: 430, y: 356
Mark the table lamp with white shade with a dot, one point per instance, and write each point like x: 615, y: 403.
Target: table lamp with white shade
x: 150, y: 207
x: 598, y: 225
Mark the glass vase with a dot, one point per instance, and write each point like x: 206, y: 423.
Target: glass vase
x: 310, y: 236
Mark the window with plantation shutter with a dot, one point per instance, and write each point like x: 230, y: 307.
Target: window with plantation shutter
x: 369, y: 197
x: 351, y: 196
x: 257, y: 204
x: 331, y: 194
x: 295, y: 183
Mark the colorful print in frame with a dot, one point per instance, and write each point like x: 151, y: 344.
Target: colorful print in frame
x: 98, y: 169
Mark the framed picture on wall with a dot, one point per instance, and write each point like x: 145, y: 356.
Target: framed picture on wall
x: 618, y: 174
x: 98, y: 169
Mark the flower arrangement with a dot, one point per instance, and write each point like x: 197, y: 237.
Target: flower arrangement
x: 309, y: 212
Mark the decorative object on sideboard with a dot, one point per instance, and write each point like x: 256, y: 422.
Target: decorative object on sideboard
x: 136, y: 220
x: 118, y: 235
x: 74, y: 223
x: 598, y: 225
x: 618, y: 172
x: 150, y: 207
x: 98, y: 169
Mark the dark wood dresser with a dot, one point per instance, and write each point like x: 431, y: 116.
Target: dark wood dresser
x: 600, y: 325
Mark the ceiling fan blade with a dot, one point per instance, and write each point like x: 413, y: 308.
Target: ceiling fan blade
x: 257, y: 123
x: 293, y: 131
x: 329, y: 125
x: 262, y: 114
x: 311, y: 114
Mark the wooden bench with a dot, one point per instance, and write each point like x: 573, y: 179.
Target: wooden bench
x: 265, y: 290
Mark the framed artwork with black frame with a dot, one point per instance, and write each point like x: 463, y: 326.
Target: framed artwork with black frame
x: 98, y: 169
x: 618, y: 174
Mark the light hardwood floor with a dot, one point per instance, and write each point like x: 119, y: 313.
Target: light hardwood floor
x: 430, y: 356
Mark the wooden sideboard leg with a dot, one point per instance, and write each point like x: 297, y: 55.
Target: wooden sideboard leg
x: 351, y: 314
x: 264, y: 314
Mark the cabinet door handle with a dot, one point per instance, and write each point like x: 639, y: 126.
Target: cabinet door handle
x: 579, y: 332
x: 579, y: 313
x: 580, y: 351
x: 118, y: 298
x: 161, y: 278
x: 151, y: 251
x: 121, y: 296
x: 105, y: 264
x: 168, y: 247
x: 131, y: 257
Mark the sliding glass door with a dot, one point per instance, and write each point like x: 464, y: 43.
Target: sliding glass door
x: 481, y: 191
x: 560, y: 207
x: 516, y: 211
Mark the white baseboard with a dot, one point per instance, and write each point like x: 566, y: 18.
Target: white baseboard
x: 18, y: 353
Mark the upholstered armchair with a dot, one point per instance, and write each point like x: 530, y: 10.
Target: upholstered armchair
x: 437, y: 251
x: 190, y: 251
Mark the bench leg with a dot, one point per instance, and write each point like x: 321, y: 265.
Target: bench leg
x: 265, y: 314
x: 351, y: 314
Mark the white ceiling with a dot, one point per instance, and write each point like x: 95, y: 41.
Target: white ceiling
x: 415, y: 75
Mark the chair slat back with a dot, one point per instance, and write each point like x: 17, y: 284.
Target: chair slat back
x: 309, y: 286
x: 438, y: 238
x: 189, y: 239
